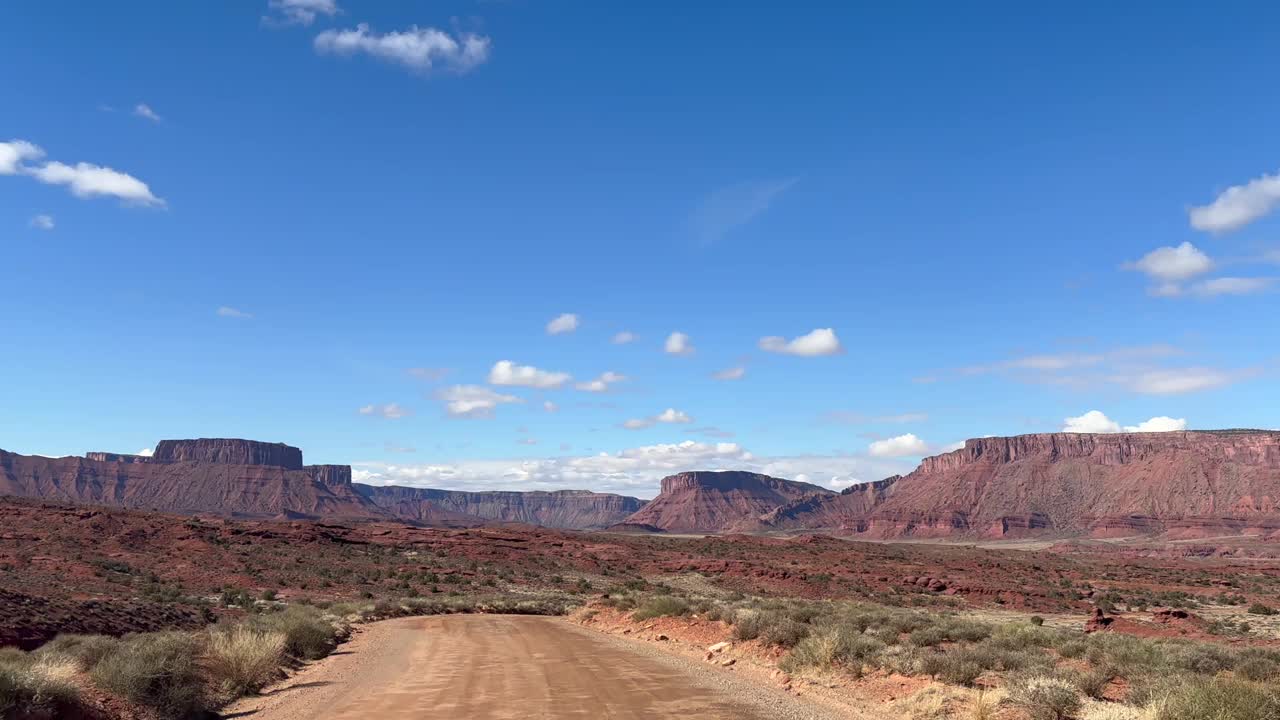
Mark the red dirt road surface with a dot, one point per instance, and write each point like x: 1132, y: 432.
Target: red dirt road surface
x: 501, y: 667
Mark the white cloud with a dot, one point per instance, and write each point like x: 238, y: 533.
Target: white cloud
x: 1178, y: 381
x: 901, y: 446
x: 1159, y: 424
x: 550, y: 406
x: 624, y: 337
x: 1231, y: 286
x: 952, y: 447
x: 678, y: 344
x: 566, y: 323
x: 735, y: 206
x: 505, y: 372
x: 1093, y: 421
x: 419, y: 49
x: 14, y: 153
x: 731, y: 373
x: 390, y: 411
x: 146, y: 452
x: 671, y: 415
x: 822, y: 341
x: 230, y: 312
x: 1173, y: 264
x: 144, y: 110
x: 602, y: 383
x: 300, y: 12
x: 86, y: 180
x: 42, y: 222
x: 1096, y: 421
x: 473, y: 401
x: 1238, y: 205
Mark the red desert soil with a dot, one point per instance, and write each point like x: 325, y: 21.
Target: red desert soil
x: 500, y: 667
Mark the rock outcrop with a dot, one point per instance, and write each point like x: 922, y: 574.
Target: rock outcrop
x: 1073, y: 484
x: 244, y: 478
x: 226, y: 451
x: 709, y: 502
x: 570, y: 509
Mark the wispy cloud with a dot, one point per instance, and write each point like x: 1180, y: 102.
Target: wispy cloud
x: 561, y: 324
x: 418, y: 49
x: 42, y: 222
x: 429, y: 374
x: 1238, y: 205
x: 623, y: 338
x: 390, y: 411
x: 732, y: 207
x: 736, y: 372
x: 230, y: 312
x: 670, y: 416
x: 144, y: 110
x: 1232, y: 286
x: 602, y: 383
x: 473, y: 401
x: 299, y: 12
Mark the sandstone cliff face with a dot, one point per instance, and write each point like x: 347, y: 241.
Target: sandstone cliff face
x: 844, y: 512
x: 211, y: 476
x: 570, y: 509
x: 226, y: 451
x: 1067, y: 483
x: 708, y: 502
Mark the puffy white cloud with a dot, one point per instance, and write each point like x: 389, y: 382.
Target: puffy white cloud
x: 505, y: 372
x: 732, y: 373
x: 230, y: 312
x: 1173, y: 264
x: 900, y: 446
x: 42, y: 222
x: 1093, y: 421
x: 144, y: 110
x: 300, y: 12
x: 1238, y: 205
x: 390, y: 411
x: 1159, y: 424
x: 146, y: 452
x: 419, y: 49
x: 952, y: 447
x: 1096, y: 421
x: 671, y: 415
x: 86, y: 180
x: 602, y: 383
x: 473, y: 401
x: 550, y: 406
x: 14, y: 153
x: 1231, y: 286
x: 623, y: 338
x: 566, y: 323
x: 678, y: 344
x: 822, y: 341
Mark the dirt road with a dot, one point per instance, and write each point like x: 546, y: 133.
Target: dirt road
x: 502, y: 667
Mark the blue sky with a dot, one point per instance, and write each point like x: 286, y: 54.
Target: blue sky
x: 881, y: 229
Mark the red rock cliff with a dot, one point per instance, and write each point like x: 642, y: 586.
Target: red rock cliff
x: 706, y: 502
x: 227, y: 451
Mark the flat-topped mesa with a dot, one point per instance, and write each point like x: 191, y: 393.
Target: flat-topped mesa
x: 736, y: 480
x: 117, y: 457
x: 1248, y: 447
x: 331, y: 475
x: 229, y: 451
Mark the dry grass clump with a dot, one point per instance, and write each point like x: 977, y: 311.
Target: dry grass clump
x: 1045, y: 697
x: 309, y: 633
x: 37, y: 687
x: 85, y: 650
x: 160, y: 671
x: 661, y: 606
x: 1219, y: 699
x: 243, y: 661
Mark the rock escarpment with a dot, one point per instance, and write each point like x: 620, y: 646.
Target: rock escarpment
x: 1071, y: 484
x: 709, y: 502
x: 227, y: 451
x: 245, y: 478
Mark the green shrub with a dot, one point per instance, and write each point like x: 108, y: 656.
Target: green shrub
x: 661, y: 606
x: 242, y: 660
x: 160, y: 671
x: 308, y: 634
x: 927, y: 636
x: 1220, y: 699
x: 1037, y: 620
x: 1045, y: 698
x: 1260, y: 609
x: 1258, y: 669
x: 952, y: 667
x: 782, y: 631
